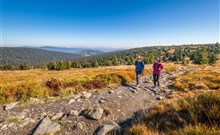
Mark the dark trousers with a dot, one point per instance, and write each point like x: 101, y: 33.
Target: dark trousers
x: 138, y: 74
x: 156, y: 79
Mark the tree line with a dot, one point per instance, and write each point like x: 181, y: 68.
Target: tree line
x: 197, y: 54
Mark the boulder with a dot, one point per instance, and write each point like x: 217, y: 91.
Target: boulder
x: 10, y: 106
x: 34, y: 100
x: 104, y: 129
x: 26, y: 121
x: 110, y: 92
x: 4, y: 127
x: 86, y: 95
x: 58, y: 116
x: 102, y: 101
x: 71, y: 101
x: 77, y: 96
x: 96, y: 112
x: 159, y: 97
x: 80, y: 125
x: 74, y: 113
x: 119, y: 97
x: 46, y: 126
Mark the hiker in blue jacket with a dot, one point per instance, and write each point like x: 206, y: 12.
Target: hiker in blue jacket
x: 139, y: 68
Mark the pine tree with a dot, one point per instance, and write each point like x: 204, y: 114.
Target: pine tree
x: 51, y: 66
x: 115, y: 61
x: 60, y: 65
x: 23, y: 66
x: 212, y: 58
x: 68, y: 64
x: 203, y: 57
x: 7, y: 67
x: 76, y: 64
x: 95, y: 63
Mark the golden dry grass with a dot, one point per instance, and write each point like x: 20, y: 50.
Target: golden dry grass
x: 187, y: 116
x: 140, y: 129
x: 21, y: 85
x: 193, y: 109
x: 198, y: 80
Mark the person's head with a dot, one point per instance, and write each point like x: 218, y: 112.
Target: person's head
x: 156, y: 60
x: 138, y: 57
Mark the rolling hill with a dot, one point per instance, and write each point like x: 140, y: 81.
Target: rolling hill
x: 32, y: 56
x: 76, y: 50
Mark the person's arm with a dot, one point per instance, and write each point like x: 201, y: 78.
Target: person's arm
x: 142, y: 65
x: 135, y: 63
x: 161, y: 66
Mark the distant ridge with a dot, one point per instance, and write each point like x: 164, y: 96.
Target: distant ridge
x: 32, y: 56
x: 75, y: 50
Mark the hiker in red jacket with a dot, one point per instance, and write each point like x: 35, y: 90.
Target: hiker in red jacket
x: 157, y: 67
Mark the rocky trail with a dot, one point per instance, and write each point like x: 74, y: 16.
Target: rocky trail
x: 88, y: 112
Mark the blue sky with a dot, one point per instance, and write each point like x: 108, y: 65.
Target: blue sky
x: 109, y: 23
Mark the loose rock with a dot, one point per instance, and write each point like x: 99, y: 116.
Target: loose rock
x: 79, y: 125
x: 158, y: 97
x: 77, y: 96
x: 58, y: 116
x: 47, y: 127
x: 96, y: 112
x: 71, y: 101
x: 10, y: 106
x: 86, y: 95
x: 103, y: 130
x: 74, y: 113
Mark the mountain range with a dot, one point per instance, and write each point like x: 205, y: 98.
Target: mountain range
x: 45, y: 54
x: 76, y: 50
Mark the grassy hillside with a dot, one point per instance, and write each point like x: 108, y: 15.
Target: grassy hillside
x: 198, y: 54
x: 42, y: 83
x: 192, y: 110
x: 184, y: 54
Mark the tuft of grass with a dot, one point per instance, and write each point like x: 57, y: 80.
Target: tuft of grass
x: 140, y: 129
x: 189, y: 115
x: 197, y: 80
x: 12, y: 119
x: 199, y: 129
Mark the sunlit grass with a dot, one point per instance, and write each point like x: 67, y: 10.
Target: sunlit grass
x: 198, y: 80
x: 185, y: 116
x: 193, y: 109
x: 21, y: 85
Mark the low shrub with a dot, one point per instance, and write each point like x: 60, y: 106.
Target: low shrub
x: 199, y: 129
x: 94, y: 84
x: 140, y: 129
x: 185, y: 115
x: 55, y: 86
x: 197, y: 80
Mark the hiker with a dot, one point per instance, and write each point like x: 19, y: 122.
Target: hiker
x: 157, y: 67
x: 139, y: 68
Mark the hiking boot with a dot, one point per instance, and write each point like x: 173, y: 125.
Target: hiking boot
x: 154, y: 87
